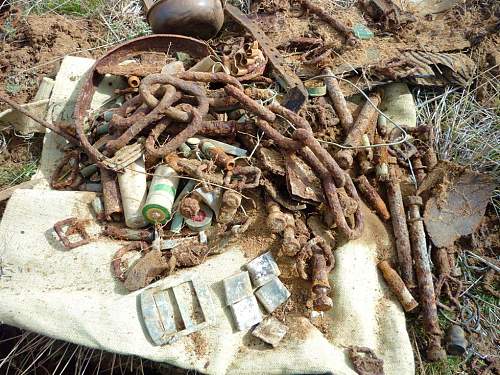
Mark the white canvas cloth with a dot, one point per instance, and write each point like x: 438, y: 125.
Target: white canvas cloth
x: 73, y: 296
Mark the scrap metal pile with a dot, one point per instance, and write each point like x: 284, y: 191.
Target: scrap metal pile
x: 195, y: 133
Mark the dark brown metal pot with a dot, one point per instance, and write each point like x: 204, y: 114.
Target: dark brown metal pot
x: 196, y: 18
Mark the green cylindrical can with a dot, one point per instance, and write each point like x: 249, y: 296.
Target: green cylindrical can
x: 158, y: 207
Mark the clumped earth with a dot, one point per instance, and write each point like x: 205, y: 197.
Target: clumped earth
x: 32, y: 47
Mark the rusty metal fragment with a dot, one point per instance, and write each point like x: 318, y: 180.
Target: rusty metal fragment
x: 365, y: 361
x: 296, y: 92
x: 388, y: 14
x: 397, y: 286
x: 373, y: 197
x: 435, y: 351
x: 73, y: 225
x: 145, y: 270
x: 457, y: 210
x: 302, y: 183
x: 67, y: 172
x: 128, y: 234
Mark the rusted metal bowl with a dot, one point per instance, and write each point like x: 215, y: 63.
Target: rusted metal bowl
x: 196, y: 18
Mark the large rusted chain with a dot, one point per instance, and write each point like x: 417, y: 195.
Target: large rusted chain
x: 249, y: 104
x: 186, y: 87
x: 210, y: 78
x: 190, y: 130
x: 276, y: 136
x: 120, y: 123
x: 56, y: 129
x: 307, y: 138
x: 214, y: 128
x: 156, y: 114
x: 117, y: 258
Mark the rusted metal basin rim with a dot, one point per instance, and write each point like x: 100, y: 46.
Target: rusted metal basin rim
x: 153, y: 43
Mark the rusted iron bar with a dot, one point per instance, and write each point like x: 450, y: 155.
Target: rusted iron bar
x: 397, y: 286
x: 395, y: 199
x: 338, y: 100
x: 373, y: 197
x: 435, y: 351
x: 56, y: 129
x: 127, y: 234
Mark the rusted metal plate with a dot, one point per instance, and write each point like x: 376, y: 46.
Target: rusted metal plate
x: 301, y: 180
x: 459, y: 209
x: 273, y: 160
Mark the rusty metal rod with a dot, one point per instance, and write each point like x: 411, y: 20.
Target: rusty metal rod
x: 400, y: 228
x: 373, y: 197
x: 338, y: 100
x: 435, y: 351
x: 71, y: 139
x: 337, y: 25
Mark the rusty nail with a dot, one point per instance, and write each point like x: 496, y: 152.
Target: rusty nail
x: 231, y: 201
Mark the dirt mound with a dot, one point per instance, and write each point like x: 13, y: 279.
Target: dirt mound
x: 34, y: 47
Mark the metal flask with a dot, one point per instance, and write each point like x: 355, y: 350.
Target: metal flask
x: 195, y: 18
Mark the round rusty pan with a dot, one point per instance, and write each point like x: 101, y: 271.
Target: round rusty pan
x: 167, y: 43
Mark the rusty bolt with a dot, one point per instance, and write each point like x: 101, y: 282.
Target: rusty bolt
x: 218, y: 155
x: 276, y: 219
x: 321, y: 284
x: 291, y: 244
x: 231, y: 201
